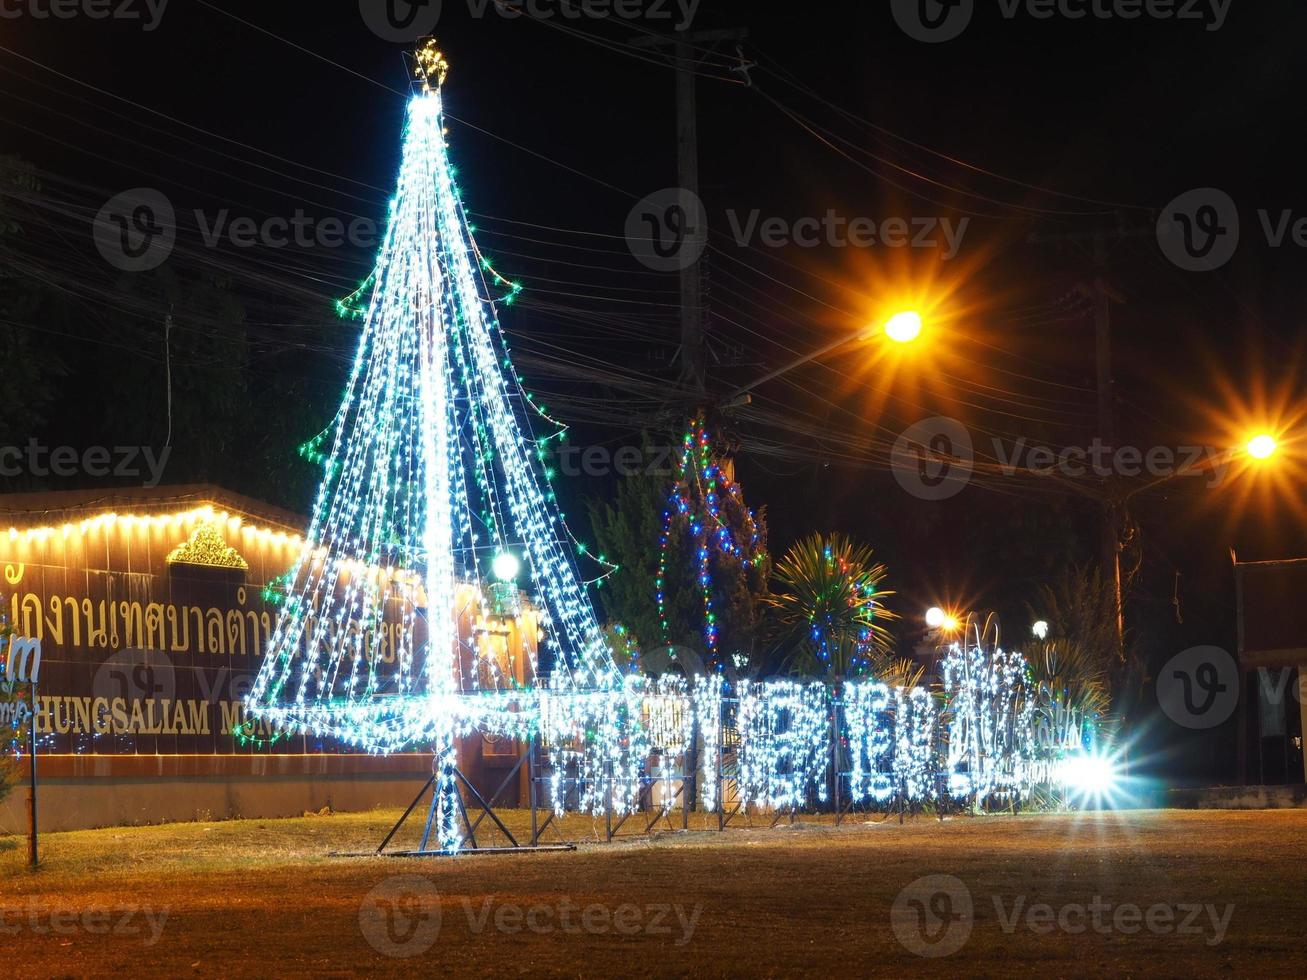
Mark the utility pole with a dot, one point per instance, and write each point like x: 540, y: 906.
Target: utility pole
x: 1102, y: 295
x: 1102, y: 298
x: 694, y: 362
x: 688, y: 51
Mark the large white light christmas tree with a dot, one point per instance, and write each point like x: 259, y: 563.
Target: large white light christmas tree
x: 433, y: 486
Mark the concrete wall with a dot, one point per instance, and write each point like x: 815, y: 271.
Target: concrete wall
x: 1239, y: 797
x: 77, y: 804
x: 80, y: 792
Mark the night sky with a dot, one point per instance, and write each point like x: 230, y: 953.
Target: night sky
x: 1027, y: 127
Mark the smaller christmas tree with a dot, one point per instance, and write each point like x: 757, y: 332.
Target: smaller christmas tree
x: 714, y: 547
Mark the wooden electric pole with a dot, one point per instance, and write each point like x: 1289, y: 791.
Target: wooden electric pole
x: 694, y: 362
x: 1102, y: 295
x: 688, y: 51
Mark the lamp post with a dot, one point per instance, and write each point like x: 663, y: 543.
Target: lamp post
x: 901, y: 328
x: 1260, y: 448
x: 33, y: 850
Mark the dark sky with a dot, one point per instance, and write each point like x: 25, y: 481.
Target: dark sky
x: 1027, y: 126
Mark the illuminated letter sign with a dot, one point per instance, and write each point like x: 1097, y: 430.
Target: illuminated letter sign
x: 23, y: 664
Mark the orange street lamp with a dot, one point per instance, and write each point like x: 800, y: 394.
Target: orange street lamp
x: 1262, y: 446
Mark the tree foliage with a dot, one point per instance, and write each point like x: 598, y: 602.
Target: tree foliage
x: 97, y: 358
x: 1079, y: 606
x: 1072, y: 698
x: 626, y: 529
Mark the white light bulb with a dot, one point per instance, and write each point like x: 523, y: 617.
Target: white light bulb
x: 506, y: 566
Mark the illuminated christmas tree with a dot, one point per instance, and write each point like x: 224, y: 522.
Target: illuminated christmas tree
x: 434, y: 504
x: 716, y: 547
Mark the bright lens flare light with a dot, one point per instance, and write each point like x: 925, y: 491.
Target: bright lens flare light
x: 1089, y: 778
x: 903, y: 327
x: 506, y: 566
x: 1262, y: 446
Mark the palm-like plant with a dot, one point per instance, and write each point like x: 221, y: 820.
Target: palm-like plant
x: 901, y: 672
x: 1076, y: 603
x: 830, y: 607
x: 1071, y: 692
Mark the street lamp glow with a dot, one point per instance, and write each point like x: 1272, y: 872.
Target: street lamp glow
x: 1262, y: 446
x: 903, y: 327
x: 506, y: 566
x: 945, y: 622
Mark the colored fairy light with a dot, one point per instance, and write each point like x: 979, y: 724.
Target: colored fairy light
x: 703, y: 505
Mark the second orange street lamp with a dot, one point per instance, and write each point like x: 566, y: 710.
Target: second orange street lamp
x: 1260, y: 447
x: 902, y: 328
x: 942, y: 620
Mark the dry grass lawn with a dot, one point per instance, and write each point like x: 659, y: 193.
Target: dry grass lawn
x: 263, y: 898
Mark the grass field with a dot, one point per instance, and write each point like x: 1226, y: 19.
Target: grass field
x: 1130, y: 894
